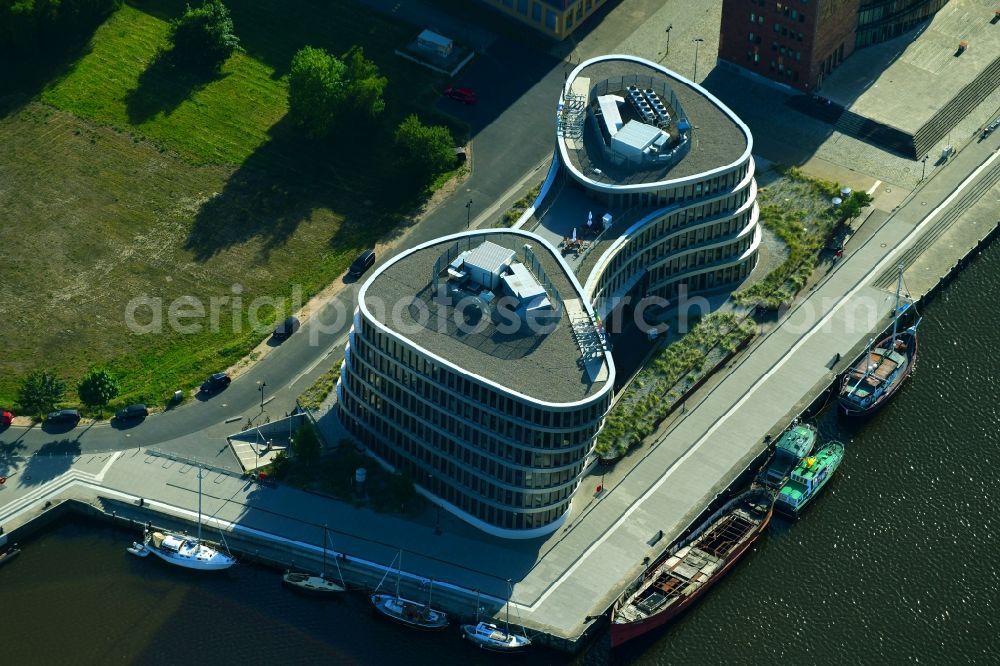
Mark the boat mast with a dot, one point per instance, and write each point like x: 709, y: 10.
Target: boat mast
x: 324, y: 552
x: 399, y: 570
x: 510, y: 593
x: 430, y: 590
x: 895, y: 312
x: 199, y: 504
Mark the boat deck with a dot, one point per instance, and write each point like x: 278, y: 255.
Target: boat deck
x: 883, y: 364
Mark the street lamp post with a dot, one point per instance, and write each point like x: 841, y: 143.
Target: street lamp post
x: 923, y: 171
x: 261, y: 389
x: 468, y: 214
x: 697, y: 42
x: 669, y: 28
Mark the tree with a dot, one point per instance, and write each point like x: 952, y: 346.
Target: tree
x: 306, y: 444
x: 315, y: 88
x: 322, y: 89
x: 426, y: 150
x: 40, y: 393
x: 851, y: 207
x: 97, y: 389
x: 204, y: 36
x: 365, y: 84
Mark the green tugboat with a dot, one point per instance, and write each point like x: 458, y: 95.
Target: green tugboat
x: 808, y: 478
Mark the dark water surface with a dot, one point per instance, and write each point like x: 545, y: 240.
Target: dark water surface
x: 898, y: 562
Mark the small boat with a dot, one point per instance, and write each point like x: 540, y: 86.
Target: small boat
x: 881, y: 371
x: 311, y: 584
x: 182, y: 550
x: 489, y: 636
x: 9, y: 554
x: 405, y: 611
x: 794, y: 444
x: 808, y: 478
x: 686, y: 571
x: 138, y: 549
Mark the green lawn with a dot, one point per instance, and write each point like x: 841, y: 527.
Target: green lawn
x: 127, y: 178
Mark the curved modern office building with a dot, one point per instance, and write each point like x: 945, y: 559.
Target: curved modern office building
x: 476, y: 366
x: 670, y: 167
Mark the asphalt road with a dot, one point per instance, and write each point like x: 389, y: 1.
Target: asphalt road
x: 512, y: 127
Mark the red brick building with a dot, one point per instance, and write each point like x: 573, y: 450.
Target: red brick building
x: 799, y: 42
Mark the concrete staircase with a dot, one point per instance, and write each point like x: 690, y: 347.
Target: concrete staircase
x: 960, y: 106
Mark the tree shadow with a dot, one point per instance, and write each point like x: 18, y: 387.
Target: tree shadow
x: 164, y: 85
x: 51, y: 460
x: 10, y: 454
x: 288, y: 178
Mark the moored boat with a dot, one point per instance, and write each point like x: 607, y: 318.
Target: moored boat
x: 319, y: 585
x: 406, y: 611
x: 490, y: 637
x: 411, y: 613
x: 311, y: 584
x: 808, y: 478
x: 876, y: 377
x: 181, y: 549
x: 687, y: 570
x: 794, y: 444
x: 9, y: 554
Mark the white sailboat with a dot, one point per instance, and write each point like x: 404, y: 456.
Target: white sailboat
x: 490, y: 637
x: 405, y: 611
x: 182, y: 550
x: 318, y: 585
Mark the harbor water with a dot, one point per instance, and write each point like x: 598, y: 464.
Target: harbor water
x: 897, y: 562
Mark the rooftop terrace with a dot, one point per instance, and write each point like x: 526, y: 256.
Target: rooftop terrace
x: 558, y: 358
x: 716, y: 138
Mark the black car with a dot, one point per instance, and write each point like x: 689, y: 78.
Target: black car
x: 137, y: 411
x: 216, y: 382
x: 63, y: 416
x: 286, y: 328
x: 362, y: 263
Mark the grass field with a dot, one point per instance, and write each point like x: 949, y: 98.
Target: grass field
x: 127, y: 178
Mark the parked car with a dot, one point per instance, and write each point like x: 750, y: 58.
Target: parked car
x: 463, y: 95
x: 216, y: 382
x: 63, y: 416
x: 286, y: 328
x: 136, y: 411
x: 362, y: 263
x: 6, y: 418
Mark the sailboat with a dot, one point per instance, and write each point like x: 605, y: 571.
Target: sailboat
x: 181, y: 549
x: 411, y: 613
x: 490, y: 637
x: 319, y: 585
x: 881, y: 371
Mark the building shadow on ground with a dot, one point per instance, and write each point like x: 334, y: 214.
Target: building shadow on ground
x: 51, y: 460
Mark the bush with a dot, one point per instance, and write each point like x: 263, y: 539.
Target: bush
x: 426, y: 150
x: 204, y: 36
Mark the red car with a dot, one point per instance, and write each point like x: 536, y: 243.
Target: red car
x: 6, y: 418
x: 461, y: 94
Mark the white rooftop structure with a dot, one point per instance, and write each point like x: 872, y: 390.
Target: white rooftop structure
x: 636, y: 138
x: 610, y: 113
x: 523, y: 286
x: 485, y: 263
x: 429, y: 40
